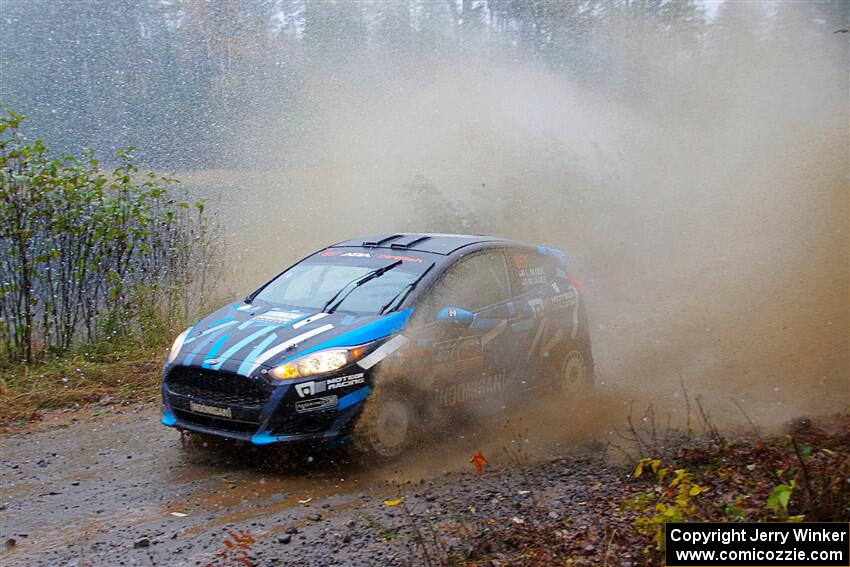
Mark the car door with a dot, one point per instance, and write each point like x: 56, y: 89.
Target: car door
x: 541, y: 302
x: 470, y: 362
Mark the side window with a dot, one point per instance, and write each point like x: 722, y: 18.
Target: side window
x: 472, y: 283
x: 529, y: 270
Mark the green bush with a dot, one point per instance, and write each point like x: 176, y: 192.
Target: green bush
x: 88, y: 255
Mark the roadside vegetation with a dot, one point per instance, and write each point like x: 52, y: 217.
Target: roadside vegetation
x: 800, y: 475
x: 99, y: 268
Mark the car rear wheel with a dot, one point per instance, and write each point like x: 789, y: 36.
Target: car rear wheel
x: 574, y: 374
x: 385, y: 427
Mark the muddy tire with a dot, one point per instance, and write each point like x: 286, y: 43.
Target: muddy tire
x: 573, y: 375
x: 386, y: 427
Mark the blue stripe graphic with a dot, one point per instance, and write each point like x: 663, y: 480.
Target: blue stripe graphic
x: 199, y: 348
x: 255, y: 352
x: 373, y: 331
x: 208, y: 331
x: 168, y: 418
x: 240, y: 345
x: 265, y: 438
x: 215, y: 348
x: 354, y: 397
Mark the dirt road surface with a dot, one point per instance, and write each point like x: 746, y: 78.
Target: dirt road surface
x: 120, y: 489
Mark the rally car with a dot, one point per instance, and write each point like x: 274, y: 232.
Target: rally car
x: 370, y: 340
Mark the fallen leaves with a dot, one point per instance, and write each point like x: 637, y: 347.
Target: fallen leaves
x: 237, y: 546
x: 393, y: 502
x: 478, y: 461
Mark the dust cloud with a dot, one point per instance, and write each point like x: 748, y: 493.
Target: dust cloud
x: 699, y: 190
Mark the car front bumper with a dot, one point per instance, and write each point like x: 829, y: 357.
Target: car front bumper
x: 260, y: 413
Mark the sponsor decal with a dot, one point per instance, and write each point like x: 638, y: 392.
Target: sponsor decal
x: 346, y: 254
x: 536, y: 306
x: 279, y: 317
x: 521, y: 261
x: 345, y: 381
x: 316, y: 404
x: 532, y: 276
x: 210, y: 410
x: 464, y: 348
x: 564, y: 300
x: 305, y: 389
x: 472, y: 389
x: 402, y: 258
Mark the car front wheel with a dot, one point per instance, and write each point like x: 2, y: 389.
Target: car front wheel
x: 385, y: 427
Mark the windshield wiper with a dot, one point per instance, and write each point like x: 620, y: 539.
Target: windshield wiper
x: 405, y: 291
x: 346, y: 290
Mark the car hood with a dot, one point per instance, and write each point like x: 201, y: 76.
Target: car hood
x: 244, y: 338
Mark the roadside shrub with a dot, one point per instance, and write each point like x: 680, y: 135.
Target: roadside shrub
x: 672, y: 499
x: 88, y: 255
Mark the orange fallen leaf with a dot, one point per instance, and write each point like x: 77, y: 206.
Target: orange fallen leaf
x: 243, y: 538
x: 479, y: 461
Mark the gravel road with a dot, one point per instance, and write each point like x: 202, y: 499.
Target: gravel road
x: 120, y: 489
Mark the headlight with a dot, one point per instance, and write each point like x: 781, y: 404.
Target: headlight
x: 178, y: 344
x: 318, y: 362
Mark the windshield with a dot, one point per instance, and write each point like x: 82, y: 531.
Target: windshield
x: 312, y: 285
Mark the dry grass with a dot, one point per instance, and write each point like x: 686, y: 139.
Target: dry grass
x: 124, y: 374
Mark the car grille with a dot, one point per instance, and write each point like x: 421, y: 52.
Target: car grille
x: 216, y: 423
x: 216, y: 387
x: 303, y: 423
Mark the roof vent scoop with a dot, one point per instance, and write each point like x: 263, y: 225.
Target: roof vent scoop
x: 376, y: 243
x: 404, y: 245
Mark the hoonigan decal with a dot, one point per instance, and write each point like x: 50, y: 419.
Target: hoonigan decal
x: 452, y: 394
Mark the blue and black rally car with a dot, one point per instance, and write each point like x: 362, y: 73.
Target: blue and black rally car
x: 371, y: 340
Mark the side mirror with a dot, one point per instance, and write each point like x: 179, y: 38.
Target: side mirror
x: 456, y: 316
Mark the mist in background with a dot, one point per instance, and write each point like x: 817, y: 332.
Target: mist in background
x: 690, y: 157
